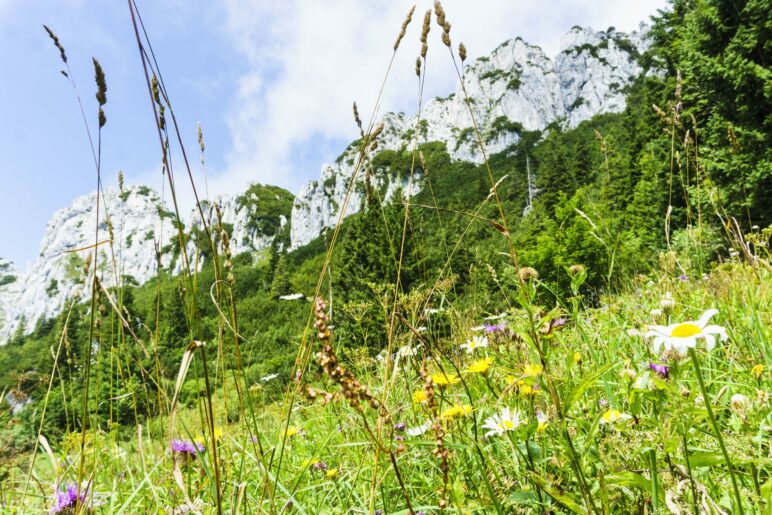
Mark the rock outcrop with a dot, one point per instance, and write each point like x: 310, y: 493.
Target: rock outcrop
x: 514, y: 89
x: 136, y: 228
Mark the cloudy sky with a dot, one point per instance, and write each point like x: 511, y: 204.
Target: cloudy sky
x: 271, y: 82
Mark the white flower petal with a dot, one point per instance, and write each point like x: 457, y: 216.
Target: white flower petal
x: 710, y: 341
x: 659, y: 330
x: 716, y: 329
x: 683, y: 344
x: 705, y: 318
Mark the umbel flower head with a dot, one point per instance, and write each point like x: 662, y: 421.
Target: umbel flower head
x: 506, y: 420
x: 683, y: 336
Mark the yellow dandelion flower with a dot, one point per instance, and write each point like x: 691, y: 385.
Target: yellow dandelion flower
x: 443, y: 379
x: 757, y: 370
x: 511, y: 380
x: 612, y: 416
x: 291, y: 431
x: 577, y: 358
x: 526, y: 389
x: 419, y: 397
x: 480, y: 366
x: 543, y: 421
x: 331, y: 473
x: 532, y: 370
x: 218, y: 434
x: 456, y: 411
x: 309, y: 462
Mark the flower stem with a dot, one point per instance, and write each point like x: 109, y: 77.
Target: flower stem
x: 706, y: 399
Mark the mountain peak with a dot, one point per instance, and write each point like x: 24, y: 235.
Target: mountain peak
x: 515, y: 88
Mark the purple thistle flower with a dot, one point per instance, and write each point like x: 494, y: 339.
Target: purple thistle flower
x: 683, y: 277
x: 558, y: 322
x: 662, y: 370
x: 68, y: 498
x: 495, y: 328
x: 185, y: 447
x: 319, y: 465
x: 399, y: 426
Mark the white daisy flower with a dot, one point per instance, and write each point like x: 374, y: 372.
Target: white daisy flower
x: 475, y: 343
x: 505, y: 420
x: 684, y: 336
x: 418, y: 431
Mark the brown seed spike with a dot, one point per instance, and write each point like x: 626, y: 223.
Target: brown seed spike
x: 426, y: 26
x: 55, y: 39
x: 402, y: 31
x: 99, y: 76
x: 462, y: 52
x: 440, y: 13
x: 418, y: 66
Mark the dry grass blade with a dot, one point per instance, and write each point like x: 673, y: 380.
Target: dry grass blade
x: 187, y: 359
x: 54, y: 466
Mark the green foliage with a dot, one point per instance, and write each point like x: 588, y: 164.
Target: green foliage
x: 266, y: 205
x: 722, y: 51
x: 604, y: 189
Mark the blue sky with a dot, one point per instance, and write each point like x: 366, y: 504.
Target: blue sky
x: 271, y: 83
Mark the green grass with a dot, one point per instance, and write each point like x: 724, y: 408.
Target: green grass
x: 292, y: 418
x: 596, y: 362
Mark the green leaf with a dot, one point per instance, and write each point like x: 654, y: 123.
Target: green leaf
x: 587, y: 383
x: 629, y: 479
x: 563, y: 498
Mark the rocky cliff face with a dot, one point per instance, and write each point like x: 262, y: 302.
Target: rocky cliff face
x: 138, y: 223
x: 516, y: 88
x: 134, y: 220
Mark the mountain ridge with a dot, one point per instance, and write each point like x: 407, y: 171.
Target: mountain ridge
x: 516, y: 88
x: 525, y: 90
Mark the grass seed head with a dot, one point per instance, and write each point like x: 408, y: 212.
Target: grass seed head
x: 58, y: 44
x: 402, y: 31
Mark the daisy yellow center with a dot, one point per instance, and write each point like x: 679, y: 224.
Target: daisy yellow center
x: 685, y: 330
x: 507, y: 424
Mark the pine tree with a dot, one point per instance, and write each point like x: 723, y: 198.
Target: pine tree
x: 280, y: 284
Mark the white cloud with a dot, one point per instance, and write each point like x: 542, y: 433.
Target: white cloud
x: 307, y: 62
